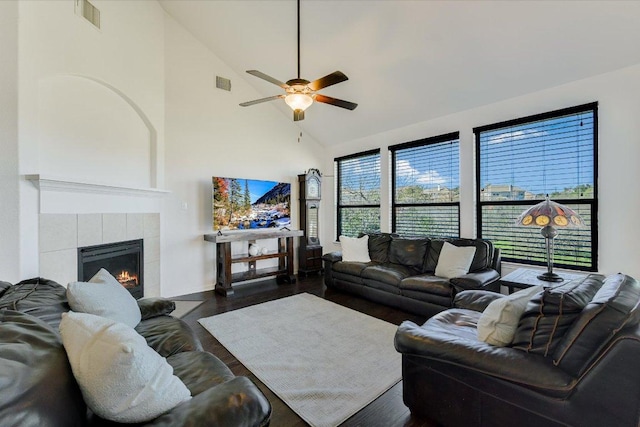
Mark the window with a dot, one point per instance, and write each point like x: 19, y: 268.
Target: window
x: 521, y: 161
x: 358, y: 193
x: 425, y: 187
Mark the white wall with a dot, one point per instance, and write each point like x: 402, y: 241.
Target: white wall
x: 209, y: 134
x: 9, y: 189
x: 619, y: 152
x: 91, y: 109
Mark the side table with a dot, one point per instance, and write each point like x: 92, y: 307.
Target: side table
x: 526, y: 277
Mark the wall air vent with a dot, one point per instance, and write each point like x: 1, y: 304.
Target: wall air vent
x: 222, y: 83
x: 88, y: 11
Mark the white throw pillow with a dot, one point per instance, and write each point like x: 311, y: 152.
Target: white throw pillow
x: 121, y: 378
x: 454, y: 261
x: 499, y: 321
x: 104, y: 296
x: 355, y: 249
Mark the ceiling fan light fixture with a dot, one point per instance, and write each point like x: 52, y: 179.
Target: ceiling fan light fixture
x: 298, y: 101
x: 301, y: 93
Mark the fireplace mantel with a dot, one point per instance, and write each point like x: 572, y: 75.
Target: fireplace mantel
x: 49, y: 183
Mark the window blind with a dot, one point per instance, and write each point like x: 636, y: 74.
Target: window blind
x: 425, y: 187
x: 358, y: 193
x: 519, y: 163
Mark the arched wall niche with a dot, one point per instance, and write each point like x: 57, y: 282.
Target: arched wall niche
x: 88, y: 130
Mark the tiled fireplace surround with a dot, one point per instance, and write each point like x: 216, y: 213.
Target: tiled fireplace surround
x: 62, y: 234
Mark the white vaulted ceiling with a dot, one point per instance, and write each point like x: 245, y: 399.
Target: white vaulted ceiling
x: 412, y: 61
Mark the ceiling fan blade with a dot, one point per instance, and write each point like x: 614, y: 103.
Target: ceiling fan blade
x: 270, y: 79
x: 258, y: 101
x: 337, y: 102
x: 328, y: 80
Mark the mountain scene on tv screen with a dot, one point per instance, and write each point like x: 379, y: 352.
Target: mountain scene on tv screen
x: 246, y: 204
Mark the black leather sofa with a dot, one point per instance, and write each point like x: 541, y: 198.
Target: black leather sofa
x: 402, y: 272
x: 574, y: 361
x: 37, y: 387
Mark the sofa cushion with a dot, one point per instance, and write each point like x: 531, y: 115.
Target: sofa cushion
x: 104, y: 296
x: 37, y: 387
x: 428, y: 283
x: 379, y: 247
x: 454, y: 261
x: 351, y: 268
x: 482, y: 259
x: 355, y: 249
x: 499, y: 321
x: 391, y: 274
x: 615, y: 306
x: 550, y: 313
x: 122, y: 379
x: 408, y: 252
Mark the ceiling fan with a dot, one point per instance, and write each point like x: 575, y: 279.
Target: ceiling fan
x: 300, y: 93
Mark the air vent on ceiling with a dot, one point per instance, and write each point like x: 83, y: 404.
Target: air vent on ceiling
x: 88, y: 11
x: 222, y: 83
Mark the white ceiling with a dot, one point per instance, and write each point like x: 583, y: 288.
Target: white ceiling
x: 411, y: 61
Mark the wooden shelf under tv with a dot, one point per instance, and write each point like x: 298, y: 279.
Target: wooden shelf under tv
x: 224, y: 258
x: 249, y: 258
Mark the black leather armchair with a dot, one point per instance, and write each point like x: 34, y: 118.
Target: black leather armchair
x: 590, y: 375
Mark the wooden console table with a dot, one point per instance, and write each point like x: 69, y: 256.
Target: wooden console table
x: 224, y: 259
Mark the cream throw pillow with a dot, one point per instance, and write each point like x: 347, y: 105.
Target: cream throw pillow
x: 355, y: 249
x: 454, y: 261
x: 104, y: 296
x: 499, y: 321
x: 121, y: 378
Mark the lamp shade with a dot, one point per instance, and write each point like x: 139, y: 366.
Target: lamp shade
x: 550, y: 213
x: 298, y: 101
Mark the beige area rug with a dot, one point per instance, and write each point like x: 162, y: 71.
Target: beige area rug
x: 323, y: 360
x: 184, y: 307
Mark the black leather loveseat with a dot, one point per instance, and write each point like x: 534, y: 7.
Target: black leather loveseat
x: 38, y: 389
x: 574, y: 360
x: 402, y: 272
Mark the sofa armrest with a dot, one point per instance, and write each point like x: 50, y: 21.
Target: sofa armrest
x: 153, y: 307
x: 485, y: 279
x: 328, y: 260
x: 4, y: 286
x: 437, y: 341
x: 476, y: 300
x: 235, y: 403
x: 333, y: 256
x: 168, y: 335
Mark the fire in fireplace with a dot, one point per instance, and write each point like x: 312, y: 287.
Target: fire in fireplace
x: 124, y: 260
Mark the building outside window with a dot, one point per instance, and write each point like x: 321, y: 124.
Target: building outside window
x: 426, y: 187
x: 521, y: 161
x: 357, y: 193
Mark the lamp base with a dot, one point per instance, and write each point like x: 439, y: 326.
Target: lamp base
x: 550, y: 277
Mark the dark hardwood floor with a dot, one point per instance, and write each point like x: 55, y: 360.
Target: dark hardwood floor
x: 387, y: 410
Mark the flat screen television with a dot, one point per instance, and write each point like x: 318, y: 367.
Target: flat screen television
x: 249, y: 204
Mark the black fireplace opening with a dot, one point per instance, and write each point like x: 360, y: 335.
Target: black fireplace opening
x: 123, y: 260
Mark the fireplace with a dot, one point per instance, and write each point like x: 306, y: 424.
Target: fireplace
x: 122, y: 259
